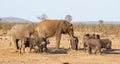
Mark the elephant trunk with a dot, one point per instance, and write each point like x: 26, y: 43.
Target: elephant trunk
x: 74, y: 46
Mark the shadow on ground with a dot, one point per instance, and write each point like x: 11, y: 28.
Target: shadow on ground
x: 112, y: 51
x: 61, y: 51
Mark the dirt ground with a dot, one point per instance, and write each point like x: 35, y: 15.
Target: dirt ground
x: 64, y: 56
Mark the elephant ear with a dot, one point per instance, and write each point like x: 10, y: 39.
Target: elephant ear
x: 65, y: 25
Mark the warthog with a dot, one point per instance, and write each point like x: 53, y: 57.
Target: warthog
x: 32, y: 44
x: 85, y: 38
x: 43, y: 43
x: 27, y: 42
x: 94, y: 44
x: 107, y: 44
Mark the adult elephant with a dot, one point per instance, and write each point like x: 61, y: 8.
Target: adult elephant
x: 18, y: 32
x: 48, y: 28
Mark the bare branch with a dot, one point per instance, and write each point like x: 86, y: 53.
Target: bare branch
x: 42, y: 17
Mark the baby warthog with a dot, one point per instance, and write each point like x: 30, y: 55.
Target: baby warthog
x: 32, y: 44
x: 27, y: 42
x: 43, y: 43
x: 85, y: 38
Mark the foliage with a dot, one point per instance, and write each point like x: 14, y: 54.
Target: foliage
x: 42, y: 17
x: 68, y: 18
x: 101, y: 21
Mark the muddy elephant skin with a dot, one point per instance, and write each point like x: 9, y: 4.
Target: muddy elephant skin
x: 19, y: 31
x: 48, y: 28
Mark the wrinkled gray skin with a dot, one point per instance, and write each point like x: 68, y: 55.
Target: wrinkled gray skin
x: 19, y: 31
x: 48, y: 28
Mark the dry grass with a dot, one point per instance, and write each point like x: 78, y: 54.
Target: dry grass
x: 84, y: 28
x: 103, y: 29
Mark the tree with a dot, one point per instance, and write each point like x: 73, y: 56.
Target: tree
x: 0, y: 19
x: 42, y: 17
x: 68, y: 18
x: 101, y: 21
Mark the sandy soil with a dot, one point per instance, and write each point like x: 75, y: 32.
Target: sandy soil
x: 64, y: 56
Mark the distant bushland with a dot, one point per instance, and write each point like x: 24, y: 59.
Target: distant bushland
x: 107, y: 29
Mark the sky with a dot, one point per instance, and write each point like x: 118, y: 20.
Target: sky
x: 80, y: 10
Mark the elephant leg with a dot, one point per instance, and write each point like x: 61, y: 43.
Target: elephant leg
x: 17, y: 43
x: 15, y: 47
x: 58, y: 38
